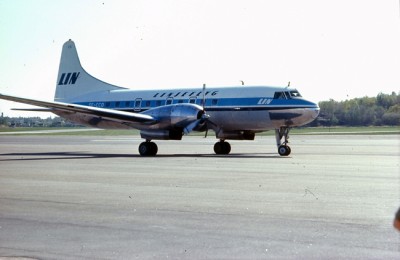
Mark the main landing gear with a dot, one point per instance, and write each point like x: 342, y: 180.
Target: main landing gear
x: 222, y: 147
x: 283, y: 147
x: 148, y: 148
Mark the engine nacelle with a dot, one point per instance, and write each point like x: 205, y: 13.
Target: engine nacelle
x: 175, y: 116
x: 172, y: 119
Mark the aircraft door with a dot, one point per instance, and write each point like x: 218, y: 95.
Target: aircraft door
x: 138, y: 104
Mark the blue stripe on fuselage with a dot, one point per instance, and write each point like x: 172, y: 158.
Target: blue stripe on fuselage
x: 217, y: 104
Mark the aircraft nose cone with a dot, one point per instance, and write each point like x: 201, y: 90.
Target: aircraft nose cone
x: 315, y: 112
x: 311, y: 113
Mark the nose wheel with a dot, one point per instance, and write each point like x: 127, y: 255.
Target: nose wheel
x: 283, y: 147
x: 284, y: 150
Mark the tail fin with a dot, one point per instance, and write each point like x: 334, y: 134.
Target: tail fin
x: 73, y: 81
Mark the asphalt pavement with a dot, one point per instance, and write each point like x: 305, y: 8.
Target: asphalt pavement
x: 94, y: 197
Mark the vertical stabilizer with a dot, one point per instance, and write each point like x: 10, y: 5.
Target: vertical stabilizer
x: 73, y: 81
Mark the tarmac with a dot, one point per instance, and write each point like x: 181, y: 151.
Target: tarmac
x: 94, y: 197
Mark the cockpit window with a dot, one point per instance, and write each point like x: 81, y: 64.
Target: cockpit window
x: 280, y: 95
x: 295, y: 93
x: 287, y: 94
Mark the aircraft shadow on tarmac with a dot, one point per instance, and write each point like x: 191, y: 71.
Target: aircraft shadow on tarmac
x: 88, y: 155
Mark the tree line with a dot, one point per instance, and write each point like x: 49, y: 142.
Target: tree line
x: 6, y: 121
x: 384, y: 109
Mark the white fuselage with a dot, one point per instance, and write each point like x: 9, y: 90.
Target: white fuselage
x: 254, y: 108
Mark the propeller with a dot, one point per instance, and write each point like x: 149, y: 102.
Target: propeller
x: 189, y: 128
x: 203, y: 119
x: 204, y: 96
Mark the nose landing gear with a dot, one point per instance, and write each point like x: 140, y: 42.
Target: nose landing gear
x: 283, y: 147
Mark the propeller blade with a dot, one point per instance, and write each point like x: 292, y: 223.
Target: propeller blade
x: 211, y: 122
x: 204, y: 96
x: 189, y: 128
x: 203, y: 119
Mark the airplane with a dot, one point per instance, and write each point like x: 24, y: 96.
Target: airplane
x: 232, y: 113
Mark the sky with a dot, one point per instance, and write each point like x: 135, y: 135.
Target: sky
x: 336, y: 49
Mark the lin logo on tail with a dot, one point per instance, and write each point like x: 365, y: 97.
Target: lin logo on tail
x: 68, y: 78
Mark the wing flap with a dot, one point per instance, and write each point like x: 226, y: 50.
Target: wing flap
x: 113, y: 115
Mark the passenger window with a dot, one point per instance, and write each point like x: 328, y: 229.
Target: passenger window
x: 158, y: 103
x: 192, y: 100
x: 214, y: 102
x: 169, y: 101
x: 117, y: 104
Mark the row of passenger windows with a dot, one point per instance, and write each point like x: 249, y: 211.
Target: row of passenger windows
x: 139, y: 103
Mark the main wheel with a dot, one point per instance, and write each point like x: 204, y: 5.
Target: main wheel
x: 227, y: 147
x: 148, y: 149
x: 222, y: 148
x: 284, y: 150
x: 153, y: 148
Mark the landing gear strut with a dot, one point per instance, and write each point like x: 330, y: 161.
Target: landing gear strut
x: 148, y: 148
x: 222, y: 147
x: 283, y: 148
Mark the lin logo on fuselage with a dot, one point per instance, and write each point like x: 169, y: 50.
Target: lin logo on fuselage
x: 68, y: 78
x: 264, y: 101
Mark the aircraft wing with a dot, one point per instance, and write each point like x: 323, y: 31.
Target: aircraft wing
x: 110, y: 114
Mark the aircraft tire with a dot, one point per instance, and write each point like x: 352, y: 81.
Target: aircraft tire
x: 284, y: 150
x: 289, y: 150
x: 222, y: 148
x: 153, y: 148
x: 148, y: 149
x: 227, y: 147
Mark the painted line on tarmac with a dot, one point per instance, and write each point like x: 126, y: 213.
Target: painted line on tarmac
x: 48, y: 131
